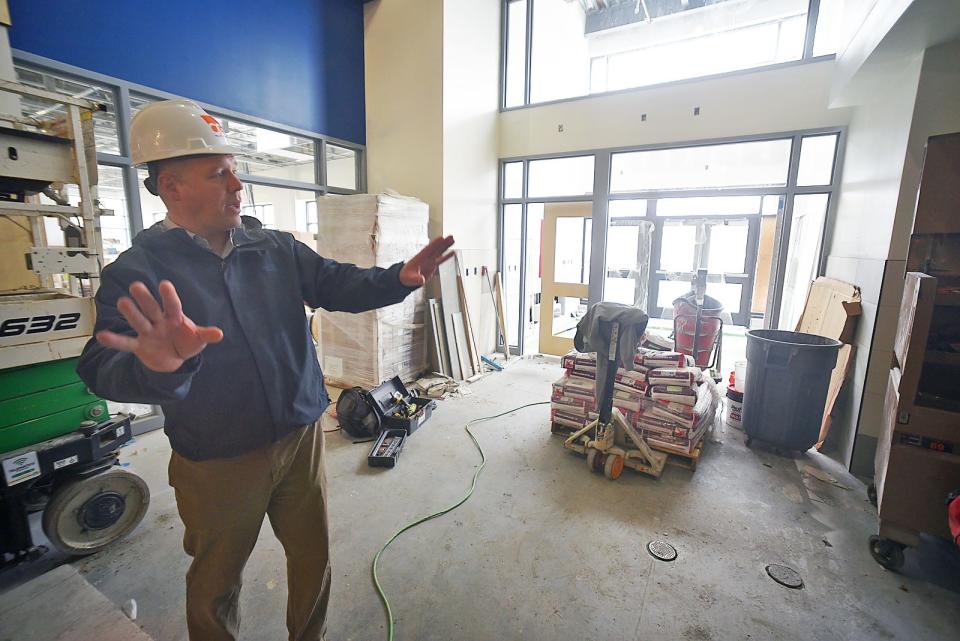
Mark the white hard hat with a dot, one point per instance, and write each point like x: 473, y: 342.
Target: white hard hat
x: 174, y: 129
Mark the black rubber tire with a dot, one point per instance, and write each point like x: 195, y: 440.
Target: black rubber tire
x: 889, y: 554
x: 61, y: 521
x: 872, y: 494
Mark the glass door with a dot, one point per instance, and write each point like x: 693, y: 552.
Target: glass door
x: 725, y: 247
x: 567, y: 229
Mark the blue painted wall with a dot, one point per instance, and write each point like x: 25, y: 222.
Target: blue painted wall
x: 296, y: 62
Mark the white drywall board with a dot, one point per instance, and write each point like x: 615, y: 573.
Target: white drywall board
x: 450, y: 302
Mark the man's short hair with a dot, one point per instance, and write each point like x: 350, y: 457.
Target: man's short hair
x: 155, y: 168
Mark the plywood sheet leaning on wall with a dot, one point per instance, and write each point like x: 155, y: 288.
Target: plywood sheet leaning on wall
x: 832, y: 309
x: 450, y: 304
x: 837, y: 377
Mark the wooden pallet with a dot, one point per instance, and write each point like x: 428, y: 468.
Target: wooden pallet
x: 688, y: 461
x: 561, y: 430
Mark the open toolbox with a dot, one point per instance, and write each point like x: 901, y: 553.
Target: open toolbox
x: 387, y: 449
x: 400, y: 413
x: 398, y: 408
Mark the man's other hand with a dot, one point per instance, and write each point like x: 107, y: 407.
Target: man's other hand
x: 165, y: 336
x: 419, y: 269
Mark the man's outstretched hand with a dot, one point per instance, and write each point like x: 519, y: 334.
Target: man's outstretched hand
x: 165, y: 336
x: 419, y: 269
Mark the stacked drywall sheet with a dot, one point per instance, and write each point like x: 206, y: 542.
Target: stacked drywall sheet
x: 670, y: 402
x: 373, y: 230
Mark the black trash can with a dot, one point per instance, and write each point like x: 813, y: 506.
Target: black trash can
x: 788, y: 374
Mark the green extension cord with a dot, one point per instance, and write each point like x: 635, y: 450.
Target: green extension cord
x: 473, y: 485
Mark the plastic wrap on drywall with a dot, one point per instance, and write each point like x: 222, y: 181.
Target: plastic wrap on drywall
x: 373, y: 230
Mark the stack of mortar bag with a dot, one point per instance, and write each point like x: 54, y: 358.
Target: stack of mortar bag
x: 667, y: 399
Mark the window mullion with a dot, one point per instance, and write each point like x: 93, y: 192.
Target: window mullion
x: 813, y: 13
x: 528, y: 53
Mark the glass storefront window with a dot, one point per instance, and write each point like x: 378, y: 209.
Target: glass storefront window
x: 759, y: 163
x: 341, y: 167
x: 104, y: 122
x: 269, y: 153
x: 580, y: 48
x: 560, y: 177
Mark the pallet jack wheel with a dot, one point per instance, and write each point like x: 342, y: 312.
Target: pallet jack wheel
x: 594, y: 460
x: 887, y: 553
x: 88, y: 514
x: 613, y: 467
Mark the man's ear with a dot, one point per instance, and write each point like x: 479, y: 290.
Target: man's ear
x: 168, y: 185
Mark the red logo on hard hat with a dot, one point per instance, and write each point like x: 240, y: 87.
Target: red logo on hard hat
x: 214, y: 125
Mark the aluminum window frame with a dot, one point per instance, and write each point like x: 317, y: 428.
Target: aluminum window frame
x: 122, y: 89
x: 601, y: 198
x: 807, y: 57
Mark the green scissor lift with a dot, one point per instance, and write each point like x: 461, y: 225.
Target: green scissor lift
x: 58, y: 442
x: 58, y: 452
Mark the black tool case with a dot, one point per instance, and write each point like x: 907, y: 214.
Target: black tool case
x: 390, y: 411
x: 387, y: 449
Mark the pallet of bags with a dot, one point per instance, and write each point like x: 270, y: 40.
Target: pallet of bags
x: 573, y: 399
x: 656, y: 342
x: 580, y: 364
x: 663, y: 396
x: 678, y: 428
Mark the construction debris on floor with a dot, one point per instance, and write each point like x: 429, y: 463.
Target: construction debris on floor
x: 438, y: 386
x: 668, y: 400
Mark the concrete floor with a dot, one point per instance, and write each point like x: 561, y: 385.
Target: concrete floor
x: 545, y: 550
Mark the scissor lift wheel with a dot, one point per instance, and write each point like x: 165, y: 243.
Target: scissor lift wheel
x: 88, y: 514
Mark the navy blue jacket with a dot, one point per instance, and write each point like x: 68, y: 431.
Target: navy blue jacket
x: 262, y: 380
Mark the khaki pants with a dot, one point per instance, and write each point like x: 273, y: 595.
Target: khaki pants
x: 222, y: 503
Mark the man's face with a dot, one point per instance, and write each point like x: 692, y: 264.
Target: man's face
x: 204, y: 193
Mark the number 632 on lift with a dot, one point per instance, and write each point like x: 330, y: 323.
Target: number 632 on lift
x: 24, y: 322
x: 39, y: 324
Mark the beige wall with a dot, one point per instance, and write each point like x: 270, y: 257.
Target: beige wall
x: 784, y: 99
x: 403, y: 51
x: 432, y: 93
x: 471, y: 51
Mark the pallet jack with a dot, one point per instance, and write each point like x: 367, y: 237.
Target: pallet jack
x: 610, y: 442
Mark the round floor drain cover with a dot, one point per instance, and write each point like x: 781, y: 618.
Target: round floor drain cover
x: 662, y: 550
x: 785, y: 576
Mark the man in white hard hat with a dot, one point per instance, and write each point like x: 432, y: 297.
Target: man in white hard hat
x: 204, y: 316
